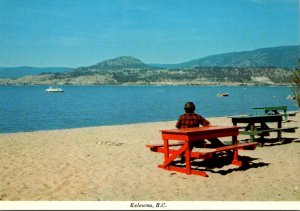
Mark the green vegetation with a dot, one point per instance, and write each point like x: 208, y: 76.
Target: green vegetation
x: 296, y: 83
x: 157, y: 76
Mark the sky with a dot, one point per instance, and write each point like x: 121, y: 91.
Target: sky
x: 73, y: 33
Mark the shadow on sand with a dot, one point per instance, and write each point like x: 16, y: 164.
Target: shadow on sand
x: 275, y: 142
x: 221, y: 162
x: 268, y: 142
x: 215, y: 164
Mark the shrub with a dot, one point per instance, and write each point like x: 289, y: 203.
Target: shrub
x: 296, y: 83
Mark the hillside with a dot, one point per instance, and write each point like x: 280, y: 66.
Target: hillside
x: 189, y: 76
x: 277, y: 57
x: 119, y: 63
x: 257, y: 67
x: 15, y: 72
x: 281, y: 57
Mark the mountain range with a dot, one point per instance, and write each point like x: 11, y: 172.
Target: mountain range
x: 282, y: 57
x: 277, y: 57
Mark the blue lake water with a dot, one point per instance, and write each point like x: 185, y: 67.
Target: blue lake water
x: 30, y: 108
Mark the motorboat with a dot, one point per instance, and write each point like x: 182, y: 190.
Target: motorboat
x: 290, y: 97
x: 223, y: 94
x: 54, y: 89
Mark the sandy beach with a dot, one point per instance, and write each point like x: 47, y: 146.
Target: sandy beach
x: 111, y: 163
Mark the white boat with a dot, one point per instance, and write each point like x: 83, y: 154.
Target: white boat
x: 223, y: 94
x: 54, y: 89
x: 290, y: 97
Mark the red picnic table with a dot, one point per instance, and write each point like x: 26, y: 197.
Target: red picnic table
x: 188, y: 135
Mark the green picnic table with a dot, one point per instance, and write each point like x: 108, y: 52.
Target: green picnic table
x: 272, y: 110
x: 257, y: 125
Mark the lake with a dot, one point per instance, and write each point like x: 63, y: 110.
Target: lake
x: 30, y: 108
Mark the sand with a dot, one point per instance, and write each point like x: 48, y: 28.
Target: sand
x: 111, y: 163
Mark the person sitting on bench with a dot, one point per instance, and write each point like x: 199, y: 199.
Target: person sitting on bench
x: 191, y: 119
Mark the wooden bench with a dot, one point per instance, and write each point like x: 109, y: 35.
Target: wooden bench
x: 265, y: 132
x: 292, y: 113
x: 208, y: 153
x: 154, y: 148
x: 258, y: 132
x: 286, y: 129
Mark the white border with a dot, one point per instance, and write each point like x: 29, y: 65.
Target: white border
x: 145, y: 205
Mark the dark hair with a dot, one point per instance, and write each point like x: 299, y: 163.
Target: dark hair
x: 189, y: 107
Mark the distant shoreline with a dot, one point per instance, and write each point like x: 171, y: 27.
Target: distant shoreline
x: 187, y: 85
x: 141, y: 76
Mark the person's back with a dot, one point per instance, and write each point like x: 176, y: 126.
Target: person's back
x: 188, y: 120
x: 191, y: 119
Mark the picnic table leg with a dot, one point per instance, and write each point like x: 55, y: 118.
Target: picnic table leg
x: 279, y: 132
x: 252, y: 129
x: 188, y: 159
x: 166, y: 149
x: 285, y: 115
x: 187, y: 153
x: 234, y: 123
x: 234, y: 140
x: 235, y: 160
x: 263, y: 126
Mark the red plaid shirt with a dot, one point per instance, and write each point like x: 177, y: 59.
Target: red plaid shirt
x: 191, y: 120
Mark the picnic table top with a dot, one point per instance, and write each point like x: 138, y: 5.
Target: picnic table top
x: 272, y: 107
x: 199, y: 129
x: 257, y: 116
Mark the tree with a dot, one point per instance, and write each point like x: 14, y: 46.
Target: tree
x: 296, y: 83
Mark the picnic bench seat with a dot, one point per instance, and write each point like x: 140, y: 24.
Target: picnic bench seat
x: 258, y: 131
x: 206, y: 153
x: 286, y: 129
x: 156, y: 146
x: 265, y: 132
x: 292, y: 113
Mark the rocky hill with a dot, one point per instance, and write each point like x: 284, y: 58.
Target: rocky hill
x: 119, y: 63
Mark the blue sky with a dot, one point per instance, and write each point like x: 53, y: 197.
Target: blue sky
x: 74, y: 33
